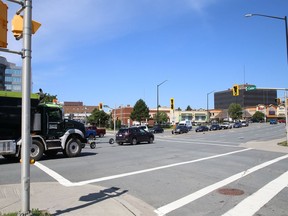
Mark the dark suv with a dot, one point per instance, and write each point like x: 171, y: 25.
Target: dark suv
x: 133, y: 135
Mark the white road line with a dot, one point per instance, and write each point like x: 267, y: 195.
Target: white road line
x: 54, y: 175
x: 200, y: 193
x: 67, y: 183
x: 195, y: 142
x: 253, y: 203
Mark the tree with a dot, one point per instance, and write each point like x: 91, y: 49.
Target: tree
x: 258, y: 116
x: 188, y: 108
x: 163, y: 117
x: 140, y: 111
x: 98, y: 117
x: 179, y: 109
x: 235, y: 111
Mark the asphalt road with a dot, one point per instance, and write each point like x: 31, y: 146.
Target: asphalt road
x: 189, y: 174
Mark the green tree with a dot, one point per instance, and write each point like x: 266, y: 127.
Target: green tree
x: 140, y: 111
x: 235, y: 111
x: 163, y: 117
x: 98, y: 117
x: 188, y: 108
x: 179, y: 109
x: 258, y: 116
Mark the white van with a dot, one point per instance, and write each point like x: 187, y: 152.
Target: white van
x: 186, y: 123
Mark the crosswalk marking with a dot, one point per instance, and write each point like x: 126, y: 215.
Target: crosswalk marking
x: 200, y: 193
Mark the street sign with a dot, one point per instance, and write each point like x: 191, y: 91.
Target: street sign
x: 249, y: 88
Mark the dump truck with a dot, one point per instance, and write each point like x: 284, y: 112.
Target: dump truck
x: 50, y: 131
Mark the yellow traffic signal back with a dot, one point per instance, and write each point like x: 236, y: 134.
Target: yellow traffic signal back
x: 235, y: 90
x: 172, y: 103
x: 3, y: 24
x: 100, y: 106
x: 17, y: 26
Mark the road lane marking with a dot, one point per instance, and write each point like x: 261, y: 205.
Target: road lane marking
x: 204, y: 191
x: 200, y: 142
x: 67, y: 183
x: 63, y: 181
x: 253, y: 203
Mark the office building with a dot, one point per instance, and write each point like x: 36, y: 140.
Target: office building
x: 223, y: 99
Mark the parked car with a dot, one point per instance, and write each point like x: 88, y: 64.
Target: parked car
x: 237, y: 125
x: 180, y: 129
x: 282, y: 121
x: 187, y: 123
x: 244, y: 124
x: 226, y: 125
x: 273, y: 121
x: 133, y: 135
x: 215, y: 127
x: 157, y: 129
x: 201, y: 128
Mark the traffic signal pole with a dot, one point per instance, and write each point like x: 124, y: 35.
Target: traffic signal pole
x: 24, y: 29
x: 26, y: 107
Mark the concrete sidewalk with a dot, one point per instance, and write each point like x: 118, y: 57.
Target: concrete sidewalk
x: 270, y: 145
x: 82, y: 200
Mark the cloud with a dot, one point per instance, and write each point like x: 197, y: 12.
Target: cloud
x: 72, y: 23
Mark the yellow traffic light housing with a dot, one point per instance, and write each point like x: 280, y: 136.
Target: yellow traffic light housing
x: 3, y: 24
x: 17, y: 26
x: 235, y: 90
x: 172, y: 103
x: 100, y: 106
x: 278, y: 101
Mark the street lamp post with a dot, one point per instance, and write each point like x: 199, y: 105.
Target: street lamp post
x: 286, y: 32
x: 114, y: 118
x: 208, y: 105
x: 275, y: 17
x: 157, y: 114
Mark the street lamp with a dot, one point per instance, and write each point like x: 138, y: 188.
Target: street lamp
x: 286, y: 29
x: 157, y: 114
x: 275, y: 17
x: 114, y: 118
x: 208, y: 105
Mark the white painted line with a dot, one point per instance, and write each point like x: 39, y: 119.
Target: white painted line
x: 54, y: 175
x: 253, y: 203
x: 200, y: 193
x: 195, y: 142
x: 67, y: 183
x: 156, y: 168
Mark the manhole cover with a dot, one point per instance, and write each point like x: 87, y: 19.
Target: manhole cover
x: 231, y: 191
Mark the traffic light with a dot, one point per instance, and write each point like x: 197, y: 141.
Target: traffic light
x: 172, y: 103
x: 17, y: 26
x: 3, y: 24
x: 235, y: 90
x: 278, y: 101
x: 100, y: 106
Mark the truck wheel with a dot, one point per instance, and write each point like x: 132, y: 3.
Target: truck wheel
x: 151, y: 139
x: 101, y: 135
x: 36, y: 151
x: 73, y: 147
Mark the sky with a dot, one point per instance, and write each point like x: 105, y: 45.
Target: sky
x: 118, y: 51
